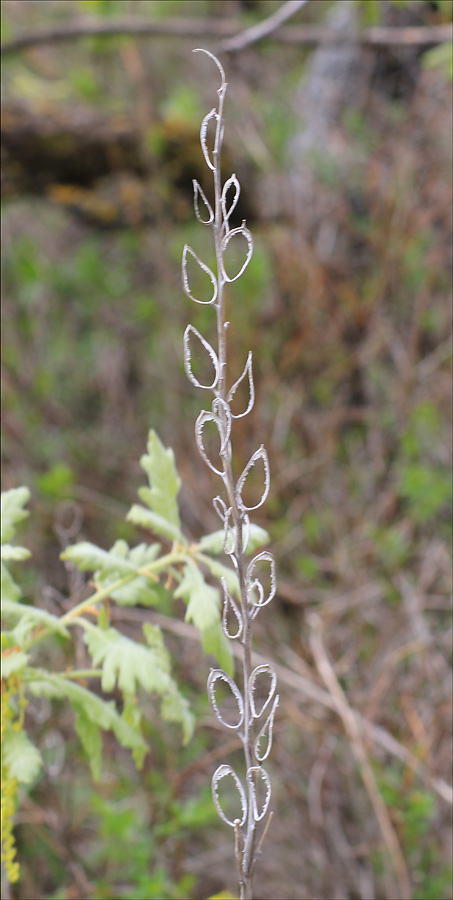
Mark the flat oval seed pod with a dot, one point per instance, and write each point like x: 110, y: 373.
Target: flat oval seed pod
x: 230, y: 606
x: 232, y: 182
x: 222, y: 413
x: 219, y: 674
x: 231, y: 234
x: 259, y: 454
x: 247, y: 373
x: 191, y: 330
x: 202, y: 419
x: 223, y: 772
x: 259, y: 670
x: 220, y: 508
x: 213, y: 114
x: 199, y: 192
x: 185, y: 279
x: 258, y: 772
x: 266, y: 732
x: 255, y: 583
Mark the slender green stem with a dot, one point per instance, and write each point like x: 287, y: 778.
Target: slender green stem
x: 73, y: 675
x: 73, y: 616
x: 102, y: 593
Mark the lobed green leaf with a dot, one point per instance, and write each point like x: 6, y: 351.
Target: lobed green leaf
x: 213, y: 640
x: 101, y: 712
x: 31, y: 616
x: 88, y: 557
x: 203, y: 601
x: 90, y: 737
x: 156, y: 523
x: 175, y: 708
x: 10, y: 590
x: 13, y: 662
x: 12, y: 511
x: 21, y: 757
x: 132, y: 665
x: 126, y: 662
x: 159, y: 465
x: 7, y: 551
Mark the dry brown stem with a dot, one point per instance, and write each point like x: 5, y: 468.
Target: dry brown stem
x: 308, y: 689
x: 354, y: 735
x: 263, y: 29
x: 224, y: 29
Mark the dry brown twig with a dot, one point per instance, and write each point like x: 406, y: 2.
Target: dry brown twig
x: 309, y: 690
x: 354, y: 735
x: 224, y: 30
x: 262, y: 29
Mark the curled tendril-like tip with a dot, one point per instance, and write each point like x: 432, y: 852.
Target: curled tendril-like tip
x: 218, y: 64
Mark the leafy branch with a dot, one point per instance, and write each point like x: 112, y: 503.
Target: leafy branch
x: 127, y: 577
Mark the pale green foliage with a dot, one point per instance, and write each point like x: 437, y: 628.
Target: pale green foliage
x: 202, y: 599
x: 128, y: 576
x: 21, y: 756
x: 9, y: 553
x: 13, y: 511
x: 29, y: 616
x: 87, y: 556
x: 13, y: 663
x: 89, y: 708
x: 116, y: 564
x: 440, y: 57
x: 159, y: 465
x: 146, y: 518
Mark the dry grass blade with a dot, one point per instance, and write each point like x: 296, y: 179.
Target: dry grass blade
x: 358, y: 749
x: 309, y: 690
x: 263, y: 29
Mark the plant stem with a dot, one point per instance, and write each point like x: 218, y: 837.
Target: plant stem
x: 234, y: 515
x: 102, y: 593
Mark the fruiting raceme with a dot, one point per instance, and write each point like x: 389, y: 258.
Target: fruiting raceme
x: 253, y: 722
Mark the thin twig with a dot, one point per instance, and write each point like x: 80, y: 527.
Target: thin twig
x: 262, y: 29
x: 358, y: 749
x: 260, y: 845
x: 308, y: 689
x: 304, y: 35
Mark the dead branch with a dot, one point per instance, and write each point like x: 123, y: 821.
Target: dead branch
x: 352, y: 729
x: 308, y: 35
x: 296, y: 682
x: 377, y: 36
x: 262, y: 29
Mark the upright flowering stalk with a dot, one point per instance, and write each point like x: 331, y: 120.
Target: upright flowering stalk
x: 253, y: 717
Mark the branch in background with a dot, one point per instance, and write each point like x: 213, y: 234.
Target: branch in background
x: 308, y: 35
x: 294, y: 681
x: 353, y: 733
x: 263, y: 29
x: 377, y: 36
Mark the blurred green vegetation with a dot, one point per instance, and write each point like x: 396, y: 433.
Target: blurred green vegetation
x: 352, y: 369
